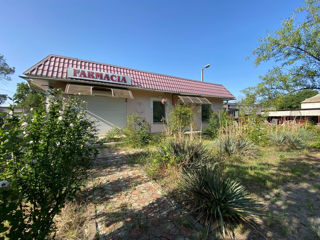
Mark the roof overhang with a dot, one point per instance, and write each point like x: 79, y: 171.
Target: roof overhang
x: 294, y: 113
x: 89, y: 90
x: 90, y: 82
x: 194, y: 100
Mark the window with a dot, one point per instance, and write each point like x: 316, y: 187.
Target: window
x: 205, y: 112
x: 159, y: 112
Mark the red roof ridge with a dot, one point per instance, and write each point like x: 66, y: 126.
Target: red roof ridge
x: 54, y: 55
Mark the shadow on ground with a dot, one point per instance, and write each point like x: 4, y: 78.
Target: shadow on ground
x: 292, y: 204
x: 157, y: 220
x: 290, y: 197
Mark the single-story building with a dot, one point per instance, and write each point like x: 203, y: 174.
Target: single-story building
x: 114, y: 92
x: 310, y: 111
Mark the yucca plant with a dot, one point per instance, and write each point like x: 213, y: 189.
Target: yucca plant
x: 218, y: 202
x: 291, y: 136
x: 232, y: 140
x: 181, y: 153
x: 188, y: 153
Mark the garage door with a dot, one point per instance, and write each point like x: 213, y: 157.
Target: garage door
x: 107, y: 112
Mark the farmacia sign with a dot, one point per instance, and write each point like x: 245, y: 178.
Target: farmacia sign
x: 98, y: 76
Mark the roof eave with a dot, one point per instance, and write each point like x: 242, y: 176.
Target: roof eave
x: 26, y: 77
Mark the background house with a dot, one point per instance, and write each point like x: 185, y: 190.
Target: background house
x: 310, y: 111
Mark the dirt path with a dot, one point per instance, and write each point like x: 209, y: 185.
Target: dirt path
x: 129, y: 206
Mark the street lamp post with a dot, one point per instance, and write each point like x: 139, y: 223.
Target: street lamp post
x: 206, y: 66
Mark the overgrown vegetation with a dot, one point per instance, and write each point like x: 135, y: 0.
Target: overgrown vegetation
x: 291, y: 135
x: 208, y: 176
x: 180, y: 118
x: 237, y: 150
x: 216, y: 121
x: 180, y: 153
x: 73, y: 222
x: 233, y: 141
x: 137, y: 132
x: 114, y: 135
x: 44, y: 157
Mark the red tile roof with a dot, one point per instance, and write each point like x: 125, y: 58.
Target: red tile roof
x: 54, y: 66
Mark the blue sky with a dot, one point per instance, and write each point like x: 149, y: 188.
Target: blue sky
x: 163, y: 36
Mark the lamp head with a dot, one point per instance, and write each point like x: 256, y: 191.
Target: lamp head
x: 206, y: 66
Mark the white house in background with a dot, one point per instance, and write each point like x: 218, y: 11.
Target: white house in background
x: 311, y: 103
x: 310, y: 110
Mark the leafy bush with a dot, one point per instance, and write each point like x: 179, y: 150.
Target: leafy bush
x: 257, y: 133
x: 180, y: 118
x: 216, y: 121
x: 44, y: 157
x: 234, y: 141
x: 137, y: 132
x: 256, y: 128
x: 217, y: 201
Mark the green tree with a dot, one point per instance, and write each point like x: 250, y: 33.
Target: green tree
x: 5, y: 72
x: 3, y: 98
x: 295, y: 49
x: 293, y: 100
x: 28, y: 96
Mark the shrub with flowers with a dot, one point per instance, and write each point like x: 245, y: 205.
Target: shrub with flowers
x: 44, y: 157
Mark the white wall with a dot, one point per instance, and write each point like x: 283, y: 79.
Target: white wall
x: 310, y: 105
x: 142, y: 104
x: 107, y: 112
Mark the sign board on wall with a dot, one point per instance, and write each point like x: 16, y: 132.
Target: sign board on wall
x: 98, y: 76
